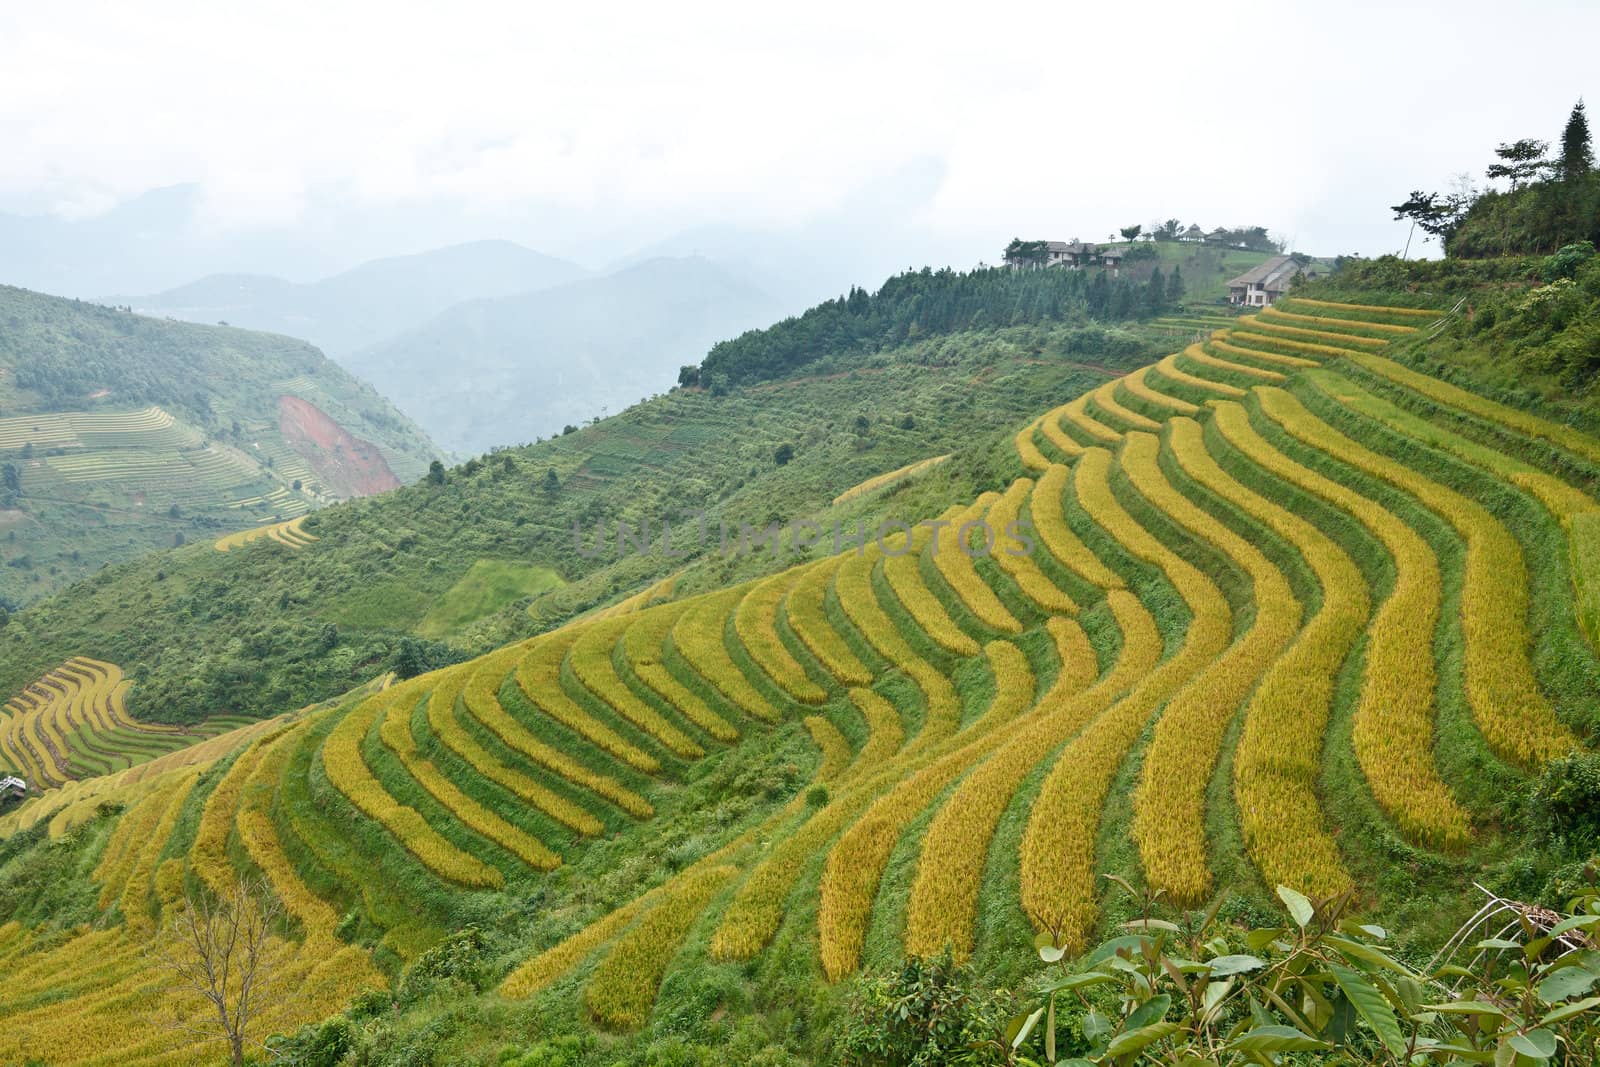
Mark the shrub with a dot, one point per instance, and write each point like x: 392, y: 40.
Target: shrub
x: 1566, y: 261
x: 925, y: 1014
x: 1566, y: 798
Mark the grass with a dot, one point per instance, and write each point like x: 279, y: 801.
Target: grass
x: 488, y: 586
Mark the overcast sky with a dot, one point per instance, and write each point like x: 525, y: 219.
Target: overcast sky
x: 588, y: 130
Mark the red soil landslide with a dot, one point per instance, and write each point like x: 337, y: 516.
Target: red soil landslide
x: 347, y: 465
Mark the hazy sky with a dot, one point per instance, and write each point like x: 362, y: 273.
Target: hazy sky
x: 601, y: 128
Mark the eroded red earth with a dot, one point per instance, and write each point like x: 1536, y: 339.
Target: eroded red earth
x: 347, y: 465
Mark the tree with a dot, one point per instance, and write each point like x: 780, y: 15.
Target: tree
x: 1436, y: 214
x: 1029, y: 253
x: 1520, y: 161
x: 688, y: 376
x: 436, y: 473
x: 1131, y: 233
x: 1175, y: 287
x: 1155, y: 294
x: 552, y: 480
x: 1577, y: 153
x: 784, y: 454
x: 410, y: 659
x: 11, y: 478
x: 222, y: 949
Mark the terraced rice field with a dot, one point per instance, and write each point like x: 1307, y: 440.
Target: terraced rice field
x: 73, y: 724
x: 147, y: 459
x: 1277, y: 585
x: 291, y: 534
x: 879, y: 481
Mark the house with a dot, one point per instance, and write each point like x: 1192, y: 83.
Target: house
x: 1263, y: 285
x: 1193, y: 233
x: 12, y: 786
x: 1033, y: 255
x: 1111, y: 259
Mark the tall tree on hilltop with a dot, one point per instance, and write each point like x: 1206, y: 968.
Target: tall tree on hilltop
x: 1520, y: 161
x: 1577, y: 152
x: 1131, y: 233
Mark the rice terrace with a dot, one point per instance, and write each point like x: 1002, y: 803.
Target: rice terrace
x: 666, y: 538
x: 1275, y: 567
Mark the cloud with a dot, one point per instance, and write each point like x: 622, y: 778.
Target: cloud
x: 1049, y: 119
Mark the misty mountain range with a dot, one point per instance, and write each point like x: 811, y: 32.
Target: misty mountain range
x: 482, y: 342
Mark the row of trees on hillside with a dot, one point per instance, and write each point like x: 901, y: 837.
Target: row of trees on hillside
x: 1550, y: 199
x: 925, y: 302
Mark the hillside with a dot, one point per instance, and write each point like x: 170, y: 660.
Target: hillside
x: 1290, y: 612
x: 121, y: 434
x: 395, y: 567
x: 524, y: 366
x: 359, y: 307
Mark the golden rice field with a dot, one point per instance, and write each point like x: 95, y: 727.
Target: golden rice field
x: 73, y: 724
x: 290, y: 533
x: 1270, y: 587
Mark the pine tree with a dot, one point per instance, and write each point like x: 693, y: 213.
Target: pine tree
x: 1175, y: 287
x: 1155, y: 294
x: 1577, y: 153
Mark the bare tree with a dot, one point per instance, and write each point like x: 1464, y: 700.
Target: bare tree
x: 221, y: 949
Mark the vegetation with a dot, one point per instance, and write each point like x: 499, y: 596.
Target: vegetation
x: 1295, y: 614
x: 121, y: 435
x: 1551, y: 202
x: 247, y: 631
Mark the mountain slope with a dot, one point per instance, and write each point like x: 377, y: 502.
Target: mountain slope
x: 120, y: 433
x: 366, y: 304
x: 1287, y: 610
x: 524, y: 366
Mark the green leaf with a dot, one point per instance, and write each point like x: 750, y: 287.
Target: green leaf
x: 1148, y: 1012
x: 1574, y: 922
x: 1079, y: 981
x: 1498, y: 943
x: 1276, y: 1039
x: 1366, y: 953
x: 1467, y: 1007
x: 1152, y: 924
x: 1565, y: 983
x: 1126, y: 943
x: 1299, y: 905
x: 1540, y: 1044
x: 1260, y: 939
x: 1567, y: 1011
x: 1223, y: 966
x: 1134, y: 1040
x: 1050, y: 1032
x: 1049, y: 951
x: 1371, y: 1006
x: 1095, y: 1026
x: 1026, y: 1028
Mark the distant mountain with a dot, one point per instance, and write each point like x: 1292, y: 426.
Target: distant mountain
x: 364, y: 305
x: 507, y: 370
x: 120, y: 434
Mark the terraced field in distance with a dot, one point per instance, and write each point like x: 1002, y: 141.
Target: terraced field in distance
x: 1285, y: 615
x: 73, y: 724
x: 290, y: 533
